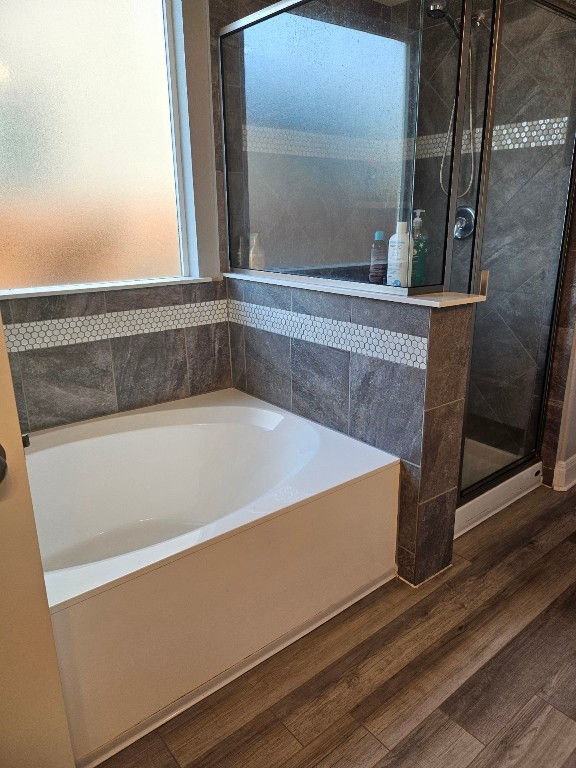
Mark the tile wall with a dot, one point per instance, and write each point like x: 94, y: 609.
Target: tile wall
x: 529, y: 178
x: 391, y: 375
x: 78, y: 356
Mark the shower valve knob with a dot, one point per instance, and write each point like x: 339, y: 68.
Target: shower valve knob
x: 464, y: 224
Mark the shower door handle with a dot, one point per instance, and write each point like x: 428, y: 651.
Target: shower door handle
x: 3, y: 464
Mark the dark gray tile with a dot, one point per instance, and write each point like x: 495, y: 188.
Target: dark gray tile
x: 441, y: 449
x: 67, y: 384
x: 237, y: 218
x: 548, y: 476
x: 193, y: 293
x: 320, y: 384
x: 208, y: 350
x: 222, y: 219
x: 551, y: 434
x: 331, y: 305
x: 448, y: 355
x: 560, y: 363
x: 18, y: 385
x: 435, y: 535
x: 235, y: 288
x: 268, y: 373
x: 6, y: 311
x: 391, y: 316
x: 509, y: 400
x: 522, y: 310
x: 408, y: 510
x: 238, y: 356
x: 497, y: 351
x: 386, y: 406
x: 233, y: 102
x: 267, y: 295
x: 143, y: 298
x: 406, y: 564
x: 150, y: 368
x: 55, y: 307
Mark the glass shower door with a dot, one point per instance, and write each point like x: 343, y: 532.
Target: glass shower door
x: 530, y: 169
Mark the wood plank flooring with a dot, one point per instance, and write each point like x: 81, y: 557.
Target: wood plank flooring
x: 476, y: 669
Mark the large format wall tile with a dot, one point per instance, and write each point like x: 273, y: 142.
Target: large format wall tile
x: 387, y: 405
x: 441, y: 449
x: 268, y: 373
x: 143, y: 298
x: 208, y: 352
x: 55, y: 307
x: 320, y: 384
x: 150, y: 368
x: 67, y: 384
x: 448, y: 351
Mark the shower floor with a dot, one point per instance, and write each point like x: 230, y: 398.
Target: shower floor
x: 481, y: 460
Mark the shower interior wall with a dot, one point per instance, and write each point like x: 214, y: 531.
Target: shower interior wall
x: 523, y: 231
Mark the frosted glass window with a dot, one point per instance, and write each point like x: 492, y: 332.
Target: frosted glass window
x: 87, y: 176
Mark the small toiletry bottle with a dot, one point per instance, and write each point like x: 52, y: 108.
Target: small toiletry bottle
x: 256, y: 255
x: 378, y: 260
x: 419, y: 249
x: 398, y: 249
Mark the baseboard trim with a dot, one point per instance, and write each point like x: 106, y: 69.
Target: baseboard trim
x: 565, y: 474
x: 162, y: 716
x: 481, y: 508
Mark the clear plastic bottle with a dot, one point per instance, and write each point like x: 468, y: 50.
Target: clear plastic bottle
x: 378, y: 259
x: 398, y: 247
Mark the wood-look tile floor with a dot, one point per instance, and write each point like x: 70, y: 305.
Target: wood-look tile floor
x: 477, y: 668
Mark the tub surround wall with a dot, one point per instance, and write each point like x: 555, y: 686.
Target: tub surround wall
x: 79, y: 356
x: 391, y: 375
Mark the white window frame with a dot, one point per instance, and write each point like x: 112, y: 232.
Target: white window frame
x: 187, y: 35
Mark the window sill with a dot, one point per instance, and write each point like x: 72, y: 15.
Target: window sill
x: 59, y: 290
x: 346, y: 288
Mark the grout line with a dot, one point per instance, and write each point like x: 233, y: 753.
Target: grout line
x: 443, y: 405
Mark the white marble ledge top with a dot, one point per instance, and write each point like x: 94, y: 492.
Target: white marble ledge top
x: 436, y: 300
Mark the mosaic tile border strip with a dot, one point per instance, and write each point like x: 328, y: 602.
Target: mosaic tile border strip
x: 280, y: 141
x: 547, y: 132
x: 401, y: 348
x: 21, y: 337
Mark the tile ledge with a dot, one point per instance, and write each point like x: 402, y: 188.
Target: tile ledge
x: 436, y: 300
x: 60, y: 290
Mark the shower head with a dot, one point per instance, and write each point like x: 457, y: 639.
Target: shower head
x: 438, y: 9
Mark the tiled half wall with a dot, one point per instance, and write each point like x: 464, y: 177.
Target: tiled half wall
x: 79, y: 356
x: 389, y: 374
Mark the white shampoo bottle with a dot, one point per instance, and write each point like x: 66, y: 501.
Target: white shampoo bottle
x: 398, y: 249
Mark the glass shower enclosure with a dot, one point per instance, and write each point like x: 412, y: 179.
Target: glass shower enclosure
x: 326, y: 123
x: 527, y: 189
x: 343, y: 118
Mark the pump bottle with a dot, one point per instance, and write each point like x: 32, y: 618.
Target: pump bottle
x: 419, y: 249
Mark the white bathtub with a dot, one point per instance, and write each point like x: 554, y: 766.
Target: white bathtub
x: 186, y: 542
